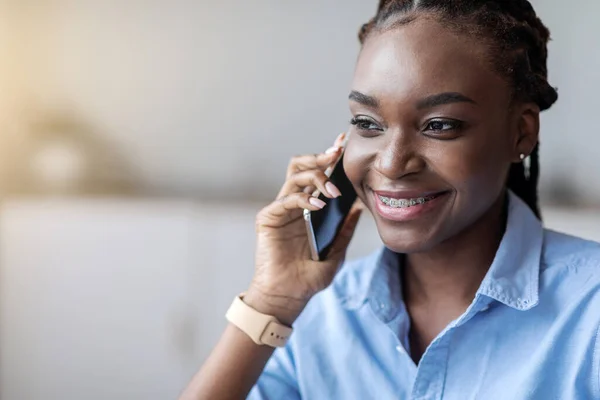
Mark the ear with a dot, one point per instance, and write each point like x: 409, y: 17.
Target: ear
x: 528, y: 129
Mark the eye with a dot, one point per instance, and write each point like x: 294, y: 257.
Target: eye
x: 365, y: 124
x: 443, y: 125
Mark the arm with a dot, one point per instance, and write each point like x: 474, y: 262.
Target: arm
x: 285, y: 279
x: 236, y: 362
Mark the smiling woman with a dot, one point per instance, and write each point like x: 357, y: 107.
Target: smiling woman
x: 470, y: 297
x: 459, y: 144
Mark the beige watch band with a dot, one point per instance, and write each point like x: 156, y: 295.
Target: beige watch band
x: 263, y: 329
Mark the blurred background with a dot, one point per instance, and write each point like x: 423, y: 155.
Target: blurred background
x: 139, y: 138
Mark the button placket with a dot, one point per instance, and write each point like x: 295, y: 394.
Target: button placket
x: 431, y: 373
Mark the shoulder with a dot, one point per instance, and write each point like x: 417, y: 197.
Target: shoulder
x: 570, y: 291
x: 564, y: 250
x: 570, y: 271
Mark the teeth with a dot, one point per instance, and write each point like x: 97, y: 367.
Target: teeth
x: 403, y: 203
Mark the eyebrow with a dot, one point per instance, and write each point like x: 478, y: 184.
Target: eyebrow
x: 363, y: 99
x: 444, y: 98
x: 428, y: 102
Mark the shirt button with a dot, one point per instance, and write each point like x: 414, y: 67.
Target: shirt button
x: 399, y: 349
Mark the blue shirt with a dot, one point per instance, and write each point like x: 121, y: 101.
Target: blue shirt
x: 531, y: 332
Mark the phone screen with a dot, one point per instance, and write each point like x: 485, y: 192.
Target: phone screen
x: 327, y: 222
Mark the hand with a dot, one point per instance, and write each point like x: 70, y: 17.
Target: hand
x: 285, y: 277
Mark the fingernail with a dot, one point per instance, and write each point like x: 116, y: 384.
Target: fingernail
x: 332, y: 150
x: 316, y: 202
x: 334, y: 191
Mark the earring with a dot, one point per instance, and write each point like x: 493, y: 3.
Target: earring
x: 526, y: 165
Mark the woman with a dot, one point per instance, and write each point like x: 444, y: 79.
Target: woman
x: 470, y: 298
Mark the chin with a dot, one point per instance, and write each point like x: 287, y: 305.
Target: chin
x: 407, y: 242
x: 407, y: 247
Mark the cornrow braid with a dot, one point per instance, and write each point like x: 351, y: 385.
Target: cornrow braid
x: 518, y: 40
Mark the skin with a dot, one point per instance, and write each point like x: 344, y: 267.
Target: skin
x: 450, y: 248
x: 400, y: 143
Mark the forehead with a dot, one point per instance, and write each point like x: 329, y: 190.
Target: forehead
x: 424, y: 58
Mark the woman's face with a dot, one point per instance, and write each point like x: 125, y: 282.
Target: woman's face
x: 433, y: 125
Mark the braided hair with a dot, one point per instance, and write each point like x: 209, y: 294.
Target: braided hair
x: 517, y: 39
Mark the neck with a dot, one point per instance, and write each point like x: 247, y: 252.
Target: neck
x: 452, y: 272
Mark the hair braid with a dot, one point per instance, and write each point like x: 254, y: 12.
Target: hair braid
x: 518, y: 40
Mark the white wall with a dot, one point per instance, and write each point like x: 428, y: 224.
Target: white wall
x: 200, y: 95
x: 569, y: 136
x: 213, y: 97
x: 123, y: 300
x: 119, y: 300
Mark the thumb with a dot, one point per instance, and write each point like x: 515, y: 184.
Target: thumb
x: 338, y: 249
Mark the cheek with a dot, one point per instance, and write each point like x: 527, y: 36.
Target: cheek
x: 475, y: 167
x: 356, y: 163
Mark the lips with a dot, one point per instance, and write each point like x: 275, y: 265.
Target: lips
x: 407, y: 205
x: 409, y: 194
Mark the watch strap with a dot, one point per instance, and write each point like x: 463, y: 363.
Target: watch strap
x: 263, y: 329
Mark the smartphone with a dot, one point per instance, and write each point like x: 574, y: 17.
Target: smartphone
x: 324, y: 225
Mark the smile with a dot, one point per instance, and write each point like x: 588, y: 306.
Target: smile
x: 404, y: 203
x: 405, y: 208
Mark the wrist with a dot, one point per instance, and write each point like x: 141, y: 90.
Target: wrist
x: 285, y: 309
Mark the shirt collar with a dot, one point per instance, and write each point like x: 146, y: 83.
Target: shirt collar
x: 513, y: 278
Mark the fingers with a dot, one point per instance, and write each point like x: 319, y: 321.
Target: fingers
x: 312, y: 161
x: 280, y: 212
x: 311, y: 190
x: 307, y: 182
x: 339, y: 141
x: 305, y: 176
x: 316, y: 161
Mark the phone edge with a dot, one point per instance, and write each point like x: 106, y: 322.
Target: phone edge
x: 312, y: 240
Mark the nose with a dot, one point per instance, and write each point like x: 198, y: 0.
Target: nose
x: 399, y: 157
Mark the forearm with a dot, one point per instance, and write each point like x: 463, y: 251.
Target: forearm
x: 231, y: 370
x: 236, y: 362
